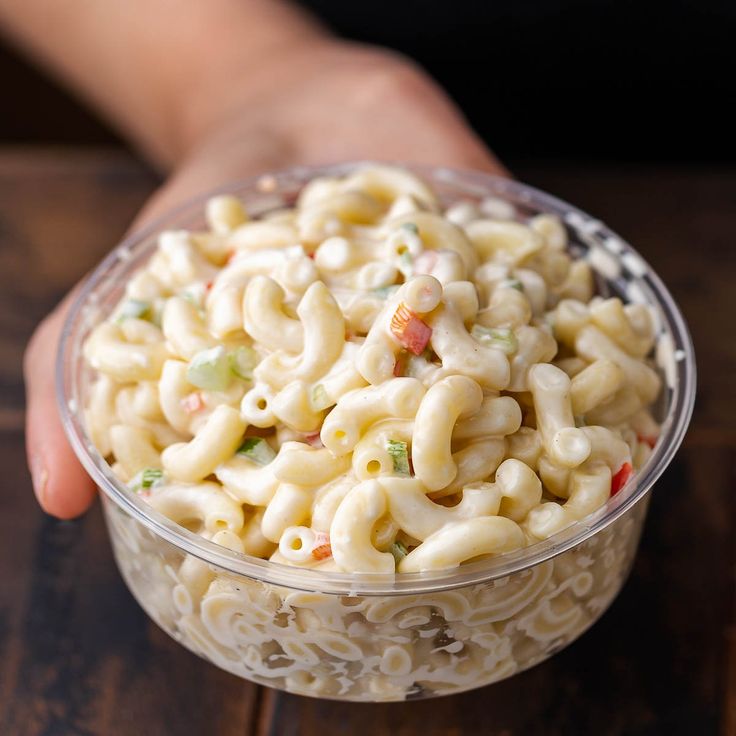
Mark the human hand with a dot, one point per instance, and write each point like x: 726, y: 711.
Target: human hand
x: 324, y: 102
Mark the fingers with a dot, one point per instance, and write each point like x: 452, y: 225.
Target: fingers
x: 60, y: 483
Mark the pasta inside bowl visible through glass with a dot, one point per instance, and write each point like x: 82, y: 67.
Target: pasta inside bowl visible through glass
x: 430, y: 401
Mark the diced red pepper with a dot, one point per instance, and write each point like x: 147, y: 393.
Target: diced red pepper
x: 400, y: 366
x: 647, y: 440
x: 322, y: 549
x: 192, y: 403
x: 231, y: 255
x: 322, y: 552
x: 410, y: 331
x: 208, y: 286
x: 619, y: 480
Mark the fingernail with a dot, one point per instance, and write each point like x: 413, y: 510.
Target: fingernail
x: 40, y: 478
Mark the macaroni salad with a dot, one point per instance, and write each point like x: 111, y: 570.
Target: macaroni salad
x: 368, y: 382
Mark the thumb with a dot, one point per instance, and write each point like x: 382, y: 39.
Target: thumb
x: 60, y: 483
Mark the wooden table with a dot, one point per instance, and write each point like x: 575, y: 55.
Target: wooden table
x: 78, y: 656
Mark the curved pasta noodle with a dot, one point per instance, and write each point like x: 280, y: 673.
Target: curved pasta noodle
x: 184, y: 328
x: 387, y: 183
x: 324, y: 338
x: 173, y: 389
x: 203, y: 502
x: 108, y: 351
x: 101, y: 413
x: 563, y: 442
x: 133, y: 448
x: 534, y: 345
x: 289, y: 507
x: 594, y: 385
x: 249, y: 483
x: 497, y: 416
x: 589, y: 490
x: 264, y: 318
x: 215, y: 442
x: 462, y: 354
x: 350, y: 531
x: 504, y: 241
x: 449, y: 399
x: 178, y: 263
x: 475, y: 462
x: 356, y: 410
x: 507, y: 308
x: 254, y: 236
x: 592, y: 344
x: 297, y: 462
x: 462, y: 541
x: 293, y: 406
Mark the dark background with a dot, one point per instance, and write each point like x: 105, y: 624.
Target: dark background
x: 607, y: 80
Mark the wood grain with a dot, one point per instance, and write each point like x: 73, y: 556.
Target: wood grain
x: 78, y: 656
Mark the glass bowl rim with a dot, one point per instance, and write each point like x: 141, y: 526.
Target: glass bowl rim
x: 350, y: 584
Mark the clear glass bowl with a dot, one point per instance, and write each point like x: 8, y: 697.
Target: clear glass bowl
x: 372, y: 637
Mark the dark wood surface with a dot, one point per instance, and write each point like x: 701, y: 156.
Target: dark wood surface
x: 78, y: 656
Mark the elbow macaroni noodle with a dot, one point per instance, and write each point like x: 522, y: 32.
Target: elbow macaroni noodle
x: 366, y: 384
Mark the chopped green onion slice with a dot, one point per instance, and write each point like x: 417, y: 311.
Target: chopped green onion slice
x: 496, y: 337
x: 134, y: 309
x: 400, y: 454
x: 411, y: 227
x: 242, y: 362
x: 512, y: 284
x: 210, y: 370
x: 384, y: 292
x: 320, y: 399
x: 399, y: 551
x: 146, y: 478
x: 257, y: 450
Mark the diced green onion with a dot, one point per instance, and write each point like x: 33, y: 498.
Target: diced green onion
x: 320, y: 399
x: 146, y: 478
x: 134, y: 309
x: 512, y: 284
x: 400, y: 454
x: 411, y: 227
x: 210, y: 370
x: 399, y: 551
x: 242, y: 362
x: 384, y: 292
x: 257, y: 450
x: 496, y: 337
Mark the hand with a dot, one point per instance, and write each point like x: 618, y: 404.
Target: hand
x: 323, y: 103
